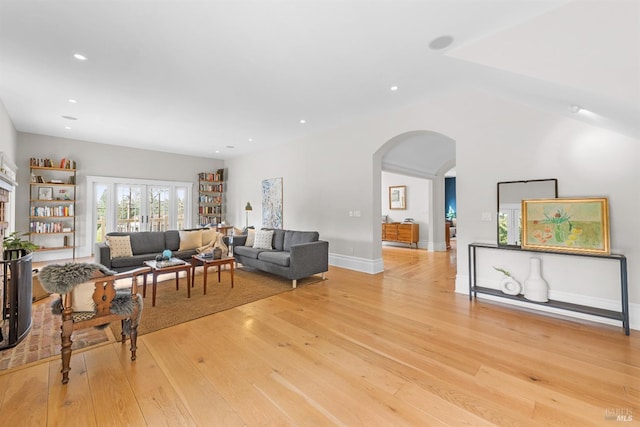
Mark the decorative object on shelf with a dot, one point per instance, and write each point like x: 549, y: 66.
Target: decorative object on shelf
x: 45, y: 193
x: 272, y: 205
x: 535, y: 287
x: 247, y: 209
x: 572, y: 225
x: 398, y: 197
x: 509, y: 285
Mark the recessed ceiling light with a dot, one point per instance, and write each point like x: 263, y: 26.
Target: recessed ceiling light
x: 73, y: 101
x: 441, y: 42
x: 79, y: 57
x: 217, y: 151
x: 250, y: 139
x: 394, y: 88
x: 69, y: 117
x: 303, y: 121
x: 67, y: 127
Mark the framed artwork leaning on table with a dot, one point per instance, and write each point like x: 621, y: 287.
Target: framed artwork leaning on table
x: 568, y: 225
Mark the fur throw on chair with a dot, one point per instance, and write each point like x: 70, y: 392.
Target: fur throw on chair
x: 61, y: 278
x: 121, y: 304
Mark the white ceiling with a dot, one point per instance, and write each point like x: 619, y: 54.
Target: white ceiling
x: 198, y: 77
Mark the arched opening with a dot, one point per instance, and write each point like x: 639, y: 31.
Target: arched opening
x: 420, y: 154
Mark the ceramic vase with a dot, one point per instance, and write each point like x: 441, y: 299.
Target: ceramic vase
x: 510, y: 286
x: 535, y: 287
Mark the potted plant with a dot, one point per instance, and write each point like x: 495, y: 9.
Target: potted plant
x: 14, y: 242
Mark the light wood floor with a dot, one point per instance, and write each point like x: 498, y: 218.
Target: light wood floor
x: 392, y: 349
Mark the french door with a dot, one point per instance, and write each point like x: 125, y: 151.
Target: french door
x: 146, y: 208
x: 127, y: 205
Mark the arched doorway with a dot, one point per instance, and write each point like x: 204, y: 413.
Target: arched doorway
x: 421, y: 154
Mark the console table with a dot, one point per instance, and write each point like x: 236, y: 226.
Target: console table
x: 622, y: 315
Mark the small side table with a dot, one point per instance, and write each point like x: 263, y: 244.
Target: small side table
x: 197, y: 260
x: 155, y: 271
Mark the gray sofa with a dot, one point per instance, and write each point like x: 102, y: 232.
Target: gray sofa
x: 294, y: 254
x: 145, y: 245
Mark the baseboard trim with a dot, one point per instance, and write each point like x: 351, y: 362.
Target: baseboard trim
x: 358, y: 264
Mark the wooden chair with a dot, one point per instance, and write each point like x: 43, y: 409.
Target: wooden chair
x: 90, y: 302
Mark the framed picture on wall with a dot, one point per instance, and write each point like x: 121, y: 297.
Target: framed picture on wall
x: 45, y: 193
x: 398, y: 197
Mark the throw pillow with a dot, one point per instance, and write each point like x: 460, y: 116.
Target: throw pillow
x: 83, y: 297
x: 251, y: 235
x: 209, y: 236
x: 120, y: 246
x: 263, y: 239
x: 191, y: 239
x: 237, y: 231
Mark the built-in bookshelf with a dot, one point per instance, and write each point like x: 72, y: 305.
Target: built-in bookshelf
x: 52, y: 205
x: 211, y: 197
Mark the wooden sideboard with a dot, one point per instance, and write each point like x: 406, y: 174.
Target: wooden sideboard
x: 400, y: 232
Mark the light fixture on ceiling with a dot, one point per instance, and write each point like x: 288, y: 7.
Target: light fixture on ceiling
x: 72, y: 101
x: 231, y: 146
x: 393, y: 88
x: 69, y: 117
x: 250, y: 140
x: 79, y: 57
x: 441, y: 42
x: 67, y: 127
x: 575, y: 108
x: 303, y: 121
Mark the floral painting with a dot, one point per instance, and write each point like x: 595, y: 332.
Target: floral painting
x: 571, y: 225
x: 272, y: 203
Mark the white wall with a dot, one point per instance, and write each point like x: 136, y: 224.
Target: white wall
x: 329, y: 174
x: 8, y: 135
x: 8, y: 143
x: 418, y: 195
x: 101, y: 160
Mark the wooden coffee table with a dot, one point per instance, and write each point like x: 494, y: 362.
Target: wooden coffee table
x: 207, y: 263
x: 155, y: 271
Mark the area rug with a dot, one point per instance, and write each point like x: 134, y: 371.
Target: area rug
x: 173, y: 307
x: 43, y: 341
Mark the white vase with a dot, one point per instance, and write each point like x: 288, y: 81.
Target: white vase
x: 510, y: 286
x: 535, y: 287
